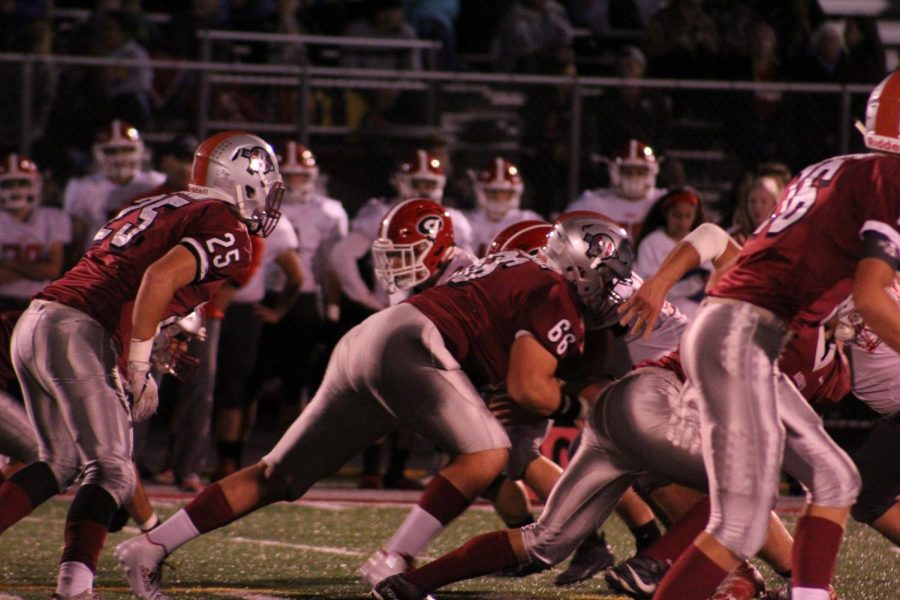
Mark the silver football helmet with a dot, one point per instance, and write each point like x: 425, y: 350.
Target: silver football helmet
x: 592, y: 253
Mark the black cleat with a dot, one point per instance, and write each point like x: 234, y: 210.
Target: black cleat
x: 397, y: 588
x: 637, y: 577
x: 591, y: 557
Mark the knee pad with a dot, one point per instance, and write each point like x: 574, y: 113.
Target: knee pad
x: 117, y: 477
x: 742, y: 523
x: 838, y: 486
x: 545, y: 547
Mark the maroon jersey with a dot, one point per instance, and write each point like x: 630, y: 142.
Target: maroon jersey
x: 801, y: 262
x: 484, y: 307
x: 108, y: 277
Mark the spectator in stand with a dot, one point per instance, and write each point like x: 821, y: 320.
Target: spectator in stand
x: 602, y: 16
x: 128, y: 89
x: 384, y: 19
x: 811, y: 132
x: 757, y: 198
x: 670, y: 219
x: 436, y: 20
x: 865, y: 51
x: 681, y: 41
x: 530, y: 28
x: 754, y: 119
x: 794, y: 21
x: 628, y: 112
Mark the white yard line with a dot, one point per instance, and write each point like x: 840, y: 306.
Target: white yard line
x: 322, y: 549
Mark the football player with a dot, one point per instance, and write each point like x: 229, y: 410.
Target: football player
x: 498, y: 190
x: 32, y: 237
x: 93, y: 199
x: 834, y: 234
x: 632, y: 175
x: 156, y: 260
x: 507, y: 317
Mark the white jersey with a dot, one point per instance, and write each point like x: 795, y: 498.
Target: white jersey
x: 281, y: 240
x: 31, y: 240
x: 876, y: 366
x: 627, y: 213
x: 319, y: 223
x: 94, y: 198
x: 484, y: 229
x: 688, y: 292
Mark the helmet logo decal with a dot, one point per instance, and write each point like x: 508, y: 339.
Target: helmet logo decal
x: 600, y: 245
x: 430, y: 226
x: 257, y: 158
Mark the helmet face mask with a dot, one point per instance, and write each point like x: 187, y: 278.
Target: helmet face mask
x: 20, y: 184
x: 420, y: 176
x: 119, y: 151
x: 498, y: 188
x: 241, y: 169
x: 592, y: 253
x: 414, y: 242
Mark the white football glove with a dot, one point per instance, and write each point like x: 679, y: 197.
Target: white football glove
x: 144, y: 395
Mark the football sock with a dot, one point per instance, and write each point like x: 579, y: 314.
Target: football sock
x: 694, y: 576
x: 176, y: 531
x: 682, y: 533
x: 798, y: 593
x: 15, y: 505
x: 74, y: 578
x: 482, y: 555
x: 645, y: 534
x: 816, y: 544
x: 396, y: 464
x: 210, y: 509
x: 86, y: 525
x: 440, y: 503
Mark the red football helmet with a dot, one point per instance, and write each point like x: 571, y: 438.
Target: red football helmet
x: 241, y: 169
x: 633, y: 170
x: 882, y: 128
x: 20, y: 183
x: 498, y: 187
x: 527, y: 236
x: 420, y: 176
x: 413, y: 244
x: 300, y: 172
x: 119, y: 150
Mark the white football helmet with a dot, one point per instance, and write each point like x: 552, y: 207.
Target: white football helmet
x: 591, y: 252
x: 498, y: 188
x: 633, y: 170
x: 420, y: 176
x: 118, y: 151
x: 882, y: 128
x: 20, y: 183
x: 241, y: 169
x: 300, y: 172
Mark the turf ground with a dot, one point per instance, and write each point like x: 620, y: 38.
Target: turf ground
x: 312, y: 550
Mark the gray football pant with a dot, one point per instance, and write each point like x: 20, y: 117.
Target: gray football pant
x: 753, y: 419
x: 66, y: 364
x: 393, y: 368
x: 625, y: 437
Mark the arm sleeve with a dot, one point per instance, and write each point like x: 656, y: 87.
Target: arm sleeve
x: 709, y: 240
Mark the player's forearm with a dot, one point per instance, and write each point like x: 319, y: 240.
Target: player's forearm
x: 540, y: 395
x: 154, y: 296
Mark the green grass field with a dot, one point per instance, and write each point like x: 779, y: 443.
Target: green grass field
x: 313, y: 551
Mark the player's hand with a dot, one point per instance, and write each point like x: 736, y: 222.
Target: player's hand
x: 641, y: 310
x: 510, y: 412
x: 144, y: 395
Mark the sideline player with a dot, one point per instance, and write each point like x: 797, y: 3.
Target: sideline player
x: 164, y: 256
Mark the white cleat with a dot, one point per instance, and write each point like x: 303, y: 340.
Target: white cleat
x: 382, y: 565
x: 141, y: 561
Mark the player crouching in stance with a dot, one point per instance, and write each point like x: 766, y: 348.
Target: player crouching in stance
x: 507, y: 317
x: 156, y: 260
